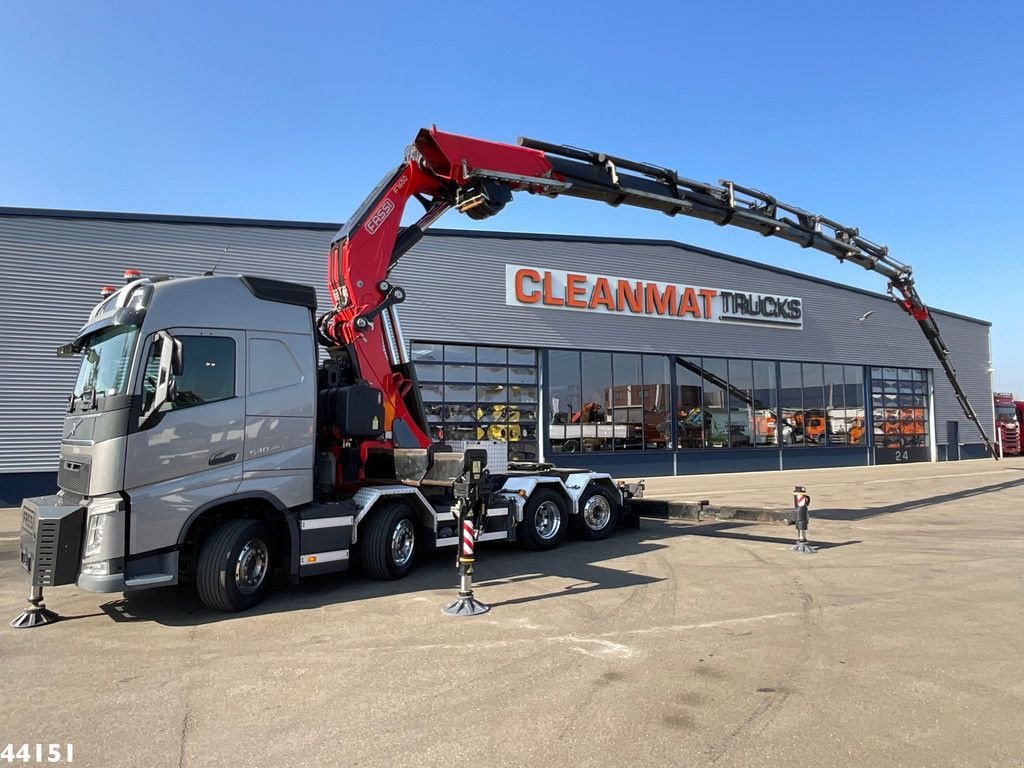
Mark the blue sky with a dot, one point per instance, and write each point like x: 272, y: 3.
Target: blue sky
x: 904, y: 119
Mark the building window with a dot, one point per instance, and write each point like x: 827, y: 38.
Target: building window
x: 844, y: 404
x: 480, y: 393
x: 603, y: 401
x: 766, y: 407
x: 853, y: 378
x: 689, y: 414
x: 627, y: 402
x: 791, y: 402
x: 724, y: 403
x: 657, y: 402
x: 899, y: 407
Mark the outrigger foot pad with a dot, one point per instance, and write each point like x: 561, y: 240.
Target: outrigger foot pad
x: 465, y: 606
x: 35, y: 616
x: 804, y: 547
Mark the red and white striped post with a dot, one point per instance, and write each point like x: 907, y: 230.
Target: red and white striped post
x: 801, y: 503
x: 466, y: 604
x: 472, y: 492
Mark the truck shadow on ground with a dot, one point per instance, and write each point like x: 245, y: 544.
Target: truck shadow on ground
x: 852, y: 515
x: 726, y: 530
x: 586, y: 565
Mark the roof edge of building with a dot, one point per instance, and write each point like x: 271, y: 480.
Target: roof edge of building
x: 165, y: 218
x: 229, y: 221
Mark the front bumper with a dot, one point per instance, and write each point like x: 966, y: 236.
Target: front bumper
x: 113, y: 582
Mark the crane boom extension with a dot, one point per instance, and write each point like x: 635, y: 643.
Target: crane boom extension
x: 477, y: 177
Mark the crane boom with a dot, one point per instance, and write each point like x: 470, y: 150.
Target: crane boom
x: 478, y: 177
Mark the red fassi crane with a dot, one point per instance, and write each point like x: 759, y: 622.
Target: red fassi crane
x: 477, y: 177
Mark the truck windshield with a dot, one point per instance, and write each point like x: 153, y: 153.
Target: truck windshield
x: 106, y: 360
x: 1006, y: 413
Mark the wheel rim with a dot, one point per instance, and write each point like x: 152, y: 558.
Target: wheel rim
x: 597, y: 512
x: 547, y: 520
x: 403, y: 542
x: 251, y: 566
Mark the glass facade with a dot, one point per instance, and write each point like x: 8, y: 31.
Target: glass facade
x: 481, y: 393
x: 630, y: 402
x: 899, y: 407
x: 604, y: 402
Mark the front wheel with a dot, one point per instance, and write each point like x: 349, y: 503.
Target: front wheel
x: 598, y: 515
x: 234, y: 565
x: 389, y: 546
x: 544, y: 520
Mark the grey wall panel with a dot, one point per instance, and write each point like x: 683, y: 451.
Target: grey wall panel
x: 456, y: 291
x: 53, y: 269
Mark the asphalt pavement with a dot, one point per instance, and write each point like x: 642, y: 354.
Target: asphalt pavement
x: 900, y: 643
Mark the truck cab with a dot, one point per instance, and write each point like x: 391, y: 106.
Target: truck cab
x: 174, y: 410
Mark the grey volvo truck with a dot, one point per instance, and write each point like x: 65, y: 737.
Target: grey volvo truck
x: 192, y: 451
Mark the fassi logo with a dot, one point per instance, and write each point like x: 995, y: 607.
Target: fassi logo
x: 380, y: 215
x: 612, y: 294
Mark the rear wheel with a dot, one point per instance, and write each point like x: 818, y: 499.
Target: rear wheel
x: 234, y: 565
x: 389, y: 542
x: 544, y: 520
x: 598, y: 515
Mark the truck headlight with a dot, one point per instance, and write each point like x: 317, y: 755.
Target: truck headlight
x: 101, y: 526
x: 94, y: 535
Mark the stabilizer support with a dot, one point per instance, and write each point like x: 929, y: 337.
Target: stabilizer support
x: 37, y: 614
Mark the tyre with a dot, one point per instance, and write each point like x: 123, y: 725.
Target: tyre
x: 544, y: 520
x: 234, y: 565
x: 389, y: 541
x: 598, y: 515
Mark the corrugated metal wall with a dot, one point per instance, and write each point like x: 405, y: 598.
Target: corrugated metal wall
x: 53, y: 268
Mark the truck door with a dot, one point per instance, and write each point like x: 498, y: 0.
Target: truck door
x: 280, y: 417
x: 190, y: 451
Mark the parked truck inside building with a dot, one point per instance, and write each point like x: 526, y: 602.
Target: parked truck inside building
x: 205, y: 441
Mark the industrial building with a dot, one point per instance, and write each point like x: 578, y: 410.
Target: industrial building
x: 639, y: 357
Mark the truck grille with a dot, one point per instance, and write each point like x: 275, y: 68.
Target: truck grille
x: 73, y: 476
x: 46, y: 553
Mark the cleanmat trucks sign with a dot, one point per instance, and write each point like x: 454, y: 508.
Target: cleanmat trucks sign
x: 581, y: 292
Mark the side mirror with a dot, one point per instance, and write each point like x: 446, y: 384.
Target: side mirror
x: 177, y: 357
x: 170, y: 348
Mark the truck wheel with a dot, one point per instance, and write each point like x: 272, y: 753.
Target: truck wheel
x: 234, y: 565
x: 598, y: 515
x: 544, y: 520
x: 389, y: 542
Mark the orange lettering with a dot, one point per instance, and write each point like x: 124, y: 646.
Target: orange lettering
x: 688, y: 304
x: 521, y: 295
x: 554, y: 301
x: 602, y: 295
x: 707, y: 295
x: 576, y: 285
x: 661, y: 303
x: 633, y: 296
